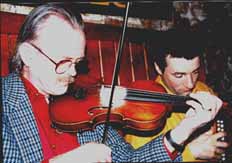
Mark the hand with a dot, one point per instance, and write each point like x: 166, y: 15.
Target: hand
x: 207, y: 146
x: 197, y: 116
x: 88, y: 153
x: 201, y: 113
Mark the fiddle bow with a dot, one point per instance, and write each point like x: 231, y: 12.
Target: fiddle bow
x: 116, y: 70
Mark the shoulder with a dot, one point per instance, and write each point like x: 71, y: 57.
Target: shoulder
x: 200, y: 86
x: 13, y: 90
x: 11, y: 82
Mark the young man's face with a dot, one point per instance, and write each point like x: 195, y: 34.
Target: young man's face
x: 59, y: 41
x: 181, y: 74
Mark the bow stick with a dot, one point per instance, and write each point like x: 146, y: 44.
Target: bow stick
x: 116, y: 71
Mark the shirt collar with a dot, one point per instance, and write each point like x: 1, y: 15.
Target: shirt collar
x: 161, y: 82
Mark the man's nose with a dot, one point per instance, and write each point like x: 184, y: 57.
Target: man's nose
x: 189, y: 82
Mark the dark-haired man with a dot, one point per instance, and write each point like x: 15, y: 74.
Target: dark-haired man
x: 178, y: 63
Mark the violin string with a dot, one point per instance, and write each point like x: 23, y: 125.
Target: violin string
x: 152, y: 100
x: 174, y: 98
x: 147, y: 94
x: 150, y: 96
x: 152, y: 93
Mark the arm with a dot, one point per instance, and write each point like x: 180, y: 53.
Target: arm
x: 207, y: 145
x: 196, y: 116
x: 124, y: 152
x: 10, y: 149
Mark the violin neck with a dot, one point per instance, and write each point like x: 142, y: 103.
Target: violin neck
x: 122, y: 93
x: 156, y: 97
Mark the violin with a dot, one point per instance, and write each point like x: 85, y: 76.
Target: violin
x: 143, y: 112
x: 134, y: 109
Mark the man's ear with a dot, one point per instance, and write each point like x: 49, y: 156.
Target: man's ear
x: 27, y: 54
x: 158, y: 68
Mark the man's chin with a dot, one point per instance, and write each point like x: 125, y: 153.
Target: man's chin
x: 60, y: 91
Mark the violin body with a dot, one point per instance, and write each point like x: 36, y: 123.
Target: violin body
x: 69, y: 114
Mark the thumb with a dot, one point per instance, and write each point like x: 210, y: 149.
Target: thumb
x: 209, y: 132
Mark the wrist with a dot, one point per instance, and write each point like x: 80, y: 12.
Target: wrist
x: 194, y: 150
x: 182, y: 132
x: 178, y: 147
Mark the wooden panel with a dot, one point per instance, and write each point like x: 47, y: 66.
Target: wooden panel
x: 11, y: 23
x: 108, y: 60
x: 146, y: 62
x: 151, y: 68
x: 138, y: 61
x: 101, y: 32
x: 125, y: 67
x: 92, y: 53
x: 12, y: 43
x: 4, y: 55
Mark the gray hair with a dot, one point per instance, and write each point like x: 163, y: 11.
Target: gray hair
x: 35, y: 18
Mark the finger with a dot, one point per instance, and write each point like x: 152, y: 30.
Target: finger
x: 210, y: 106
x: 209, y: 132
x: 222, y: 144
x: 217, y: 156
x: 109, y: 159
x: 207, y: 101
x: 196, y: 106
x: 219, y: 151
x: 219, y: 135
x: 219, y: 104
x: 214, y: 103
x: 200, y: 96
x: 211, y: 101
x: 191, y: 112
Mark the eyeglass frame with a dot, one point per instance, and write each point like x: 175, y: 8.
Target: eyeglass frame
x: 55, y: 63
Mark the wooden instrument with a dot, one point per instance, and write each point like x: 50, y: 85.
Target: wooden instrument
x: 139, y: 110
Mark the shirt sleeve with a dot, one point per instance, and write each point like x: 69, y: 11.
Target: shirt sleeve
x: 172, y: 155
x: 154, y: 151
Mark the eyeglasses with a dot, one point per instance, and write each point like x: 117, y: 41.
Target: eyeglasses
x: 62, y: 66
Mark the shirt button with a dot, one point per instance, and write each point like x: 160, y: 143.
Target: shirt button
x: 53, y: 146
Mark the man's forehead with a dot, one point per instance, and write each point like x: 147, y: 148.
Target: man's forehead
x: 56, y: 37
x: 182, y: 64
x: 56, y: 29
x: 57, y: 24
